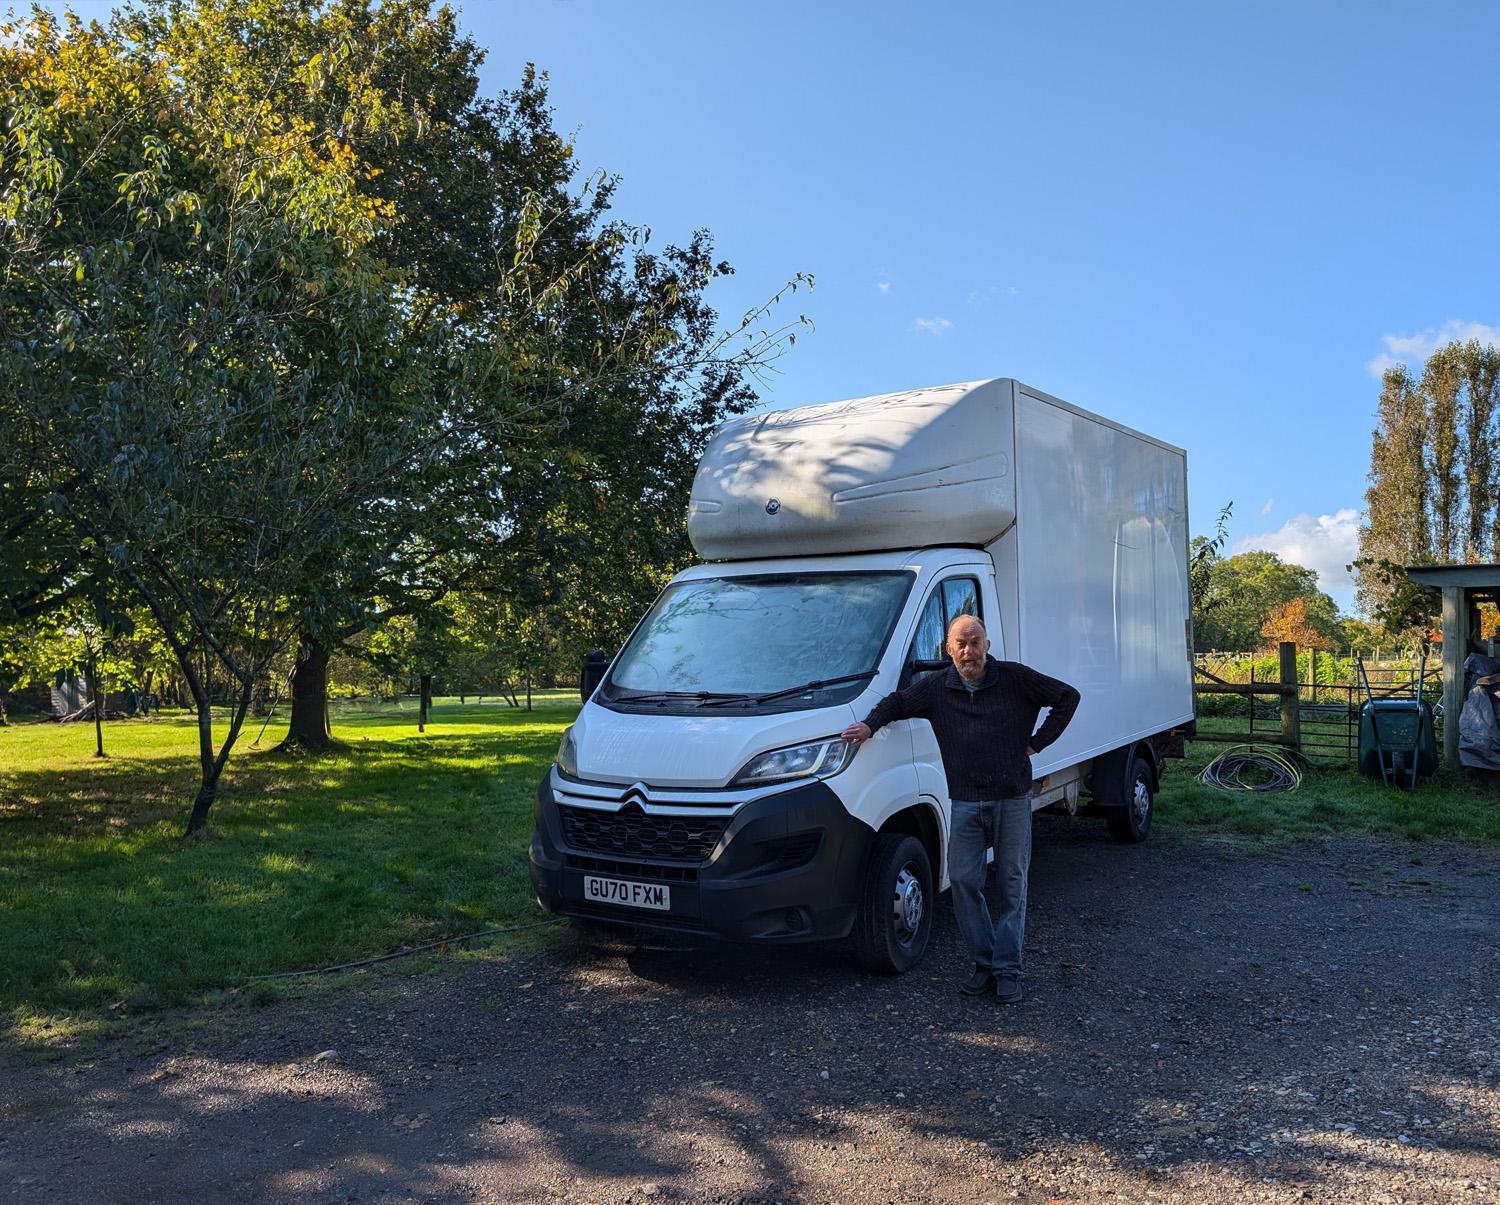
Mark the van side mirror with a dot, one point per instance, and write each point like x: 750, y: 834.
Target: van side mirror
x: 591, y: 673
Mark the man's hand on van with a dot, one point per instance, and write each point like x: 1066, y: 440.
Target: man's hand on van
x: 857, y: 733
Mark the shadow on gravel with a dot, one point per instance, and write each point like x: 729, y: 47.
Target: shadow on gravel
x: 1201, y: 1018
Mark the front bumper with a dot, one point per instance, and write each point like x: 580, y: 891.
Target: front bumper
x: 787, y: 866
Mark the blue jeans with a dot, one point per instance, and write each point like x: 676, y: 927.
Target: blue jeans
x: 977, y: 825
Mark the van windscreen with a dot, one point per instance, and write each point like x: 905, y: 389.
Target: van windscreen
x: 756, y: 635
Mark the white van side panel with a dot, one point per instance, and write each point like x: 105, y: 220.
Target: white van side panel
x: 1097, y: 569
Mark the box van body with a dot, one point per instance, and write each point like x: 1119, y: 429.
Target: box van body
x: 704, y: 786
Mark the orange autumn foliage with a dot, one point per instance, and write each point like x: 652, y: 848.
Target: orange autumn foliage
x: 1289, y: 622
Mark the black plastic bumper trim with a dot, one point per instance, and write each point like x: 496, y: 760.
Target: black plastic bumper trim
x: 788, y: 867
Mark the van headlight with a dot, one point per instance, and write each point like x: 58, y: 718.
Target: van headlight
x: 816, y: 760
x: 567, y: 753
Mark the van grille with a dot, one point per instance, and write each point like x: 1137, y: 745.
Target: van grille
x: 633, y: 834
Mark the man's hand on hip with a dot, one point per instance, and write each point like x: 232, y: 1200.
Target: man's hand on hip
x: 857, y: 733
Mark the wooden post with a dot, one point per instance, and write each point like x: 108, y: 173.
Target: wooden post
x: 1291, y: 722
x: 1455, y: 644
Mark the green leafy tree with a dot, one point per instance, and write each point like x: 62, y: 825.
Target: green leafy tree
x: 593, y: 463
x: 209, y: 363
x: 1206, y: 552
x: 1434, y: 474
x: 1248, y: 588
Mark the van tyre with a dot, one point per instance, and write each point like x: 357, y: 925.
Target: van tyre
x: 1131, y: 824
x: 895, y: 910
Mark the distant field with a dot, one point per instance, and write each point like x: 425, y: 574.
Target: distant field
x: 399, y: 839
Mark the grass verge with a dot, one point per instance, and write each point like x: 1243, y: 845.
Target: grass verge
x: 396, y: 839
x: 1331, y: 799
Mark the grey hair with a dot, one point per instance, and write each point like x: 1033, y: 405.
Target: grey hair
x: 949, y: 634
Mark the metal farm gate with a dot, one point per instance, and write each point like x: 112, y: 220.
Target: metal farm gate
x: 1318, y: 720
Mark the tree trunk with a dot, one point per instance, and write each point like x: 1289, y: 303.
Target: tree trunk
x: 98, y: 708
x: 213, y: 763
x: 426, y: 703
x: 309, y: 725
x: 204, y: 800
x: 528, y: 690
x: 4, y: 715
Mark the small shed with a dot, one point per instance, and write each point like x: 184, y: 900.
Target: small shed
x: 70, y: 691
x: 1463, y: 588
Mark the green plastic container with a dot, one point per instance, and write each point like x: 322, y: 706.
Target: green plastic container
x: 1396, y: 741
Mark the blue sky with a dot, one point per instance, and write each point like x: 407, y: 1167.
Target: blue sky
x: 1212, y: 222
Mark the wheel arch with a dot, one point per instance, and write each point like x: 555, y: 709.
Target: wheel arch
x: 920, y: 820
x: 1110, y: 773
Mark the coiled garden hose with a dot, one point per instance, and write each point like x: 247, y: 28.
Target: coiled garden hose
x: 1251, y: 768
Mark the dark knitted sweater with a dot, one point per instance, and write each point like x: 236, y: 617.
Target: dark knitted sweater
x: 983, y: 734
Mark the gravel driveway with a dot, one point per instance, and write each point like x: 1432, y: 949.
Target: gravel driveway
x: 1206, y: 1021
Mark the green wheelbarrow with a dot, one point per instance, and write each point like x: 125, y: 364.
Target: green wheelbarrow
x: 1396, y: 738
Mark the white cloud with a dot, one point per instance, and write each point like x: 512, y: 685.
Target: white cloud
x: 883, y: 285
x: 933, y: 326
x: 1268, y: 507
x: 983, y: 296
x: 1413, y: 349
x: 1325, y: 544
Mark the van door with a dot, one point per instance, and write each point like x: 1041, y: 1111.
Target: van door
x: 958, y: 594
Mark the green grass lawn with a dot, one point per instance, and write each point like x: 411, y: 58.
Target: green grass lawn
x: 398, y: 839
x: 1332, y: 798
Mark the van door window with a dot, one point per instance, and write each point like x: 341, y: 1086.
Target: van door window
x: 949, y: 599
x: 928, y: 645
x: 960, y: 597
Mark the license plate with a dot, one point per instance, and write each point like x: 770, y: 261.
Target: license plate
x: 627, y: 894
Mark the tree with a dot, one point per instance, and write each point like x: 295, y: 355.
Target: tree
x: 596, y: 464
x: 1433, y: 473
x: 209, y: 364
x: 1249, y: 587
x: 1289, y: 622
x: 1204, y: 554
x: 254, y: 381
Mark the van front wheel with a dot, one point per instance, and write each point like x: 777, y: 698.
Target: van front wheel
x: 895, y: 912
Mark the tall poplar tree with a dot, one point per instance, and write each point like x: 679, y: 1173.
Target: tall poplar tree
x: 1434, y: 473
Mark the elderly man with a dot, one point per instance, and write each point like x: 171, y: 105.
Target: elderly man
x: 982, y: 712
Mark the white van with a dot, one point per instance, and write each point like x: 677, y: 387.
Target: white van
x: 704, y: 786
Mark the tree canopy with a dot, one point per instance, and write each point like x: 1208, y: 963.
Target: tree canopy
x: 299, y: 332
x: 1244, y: 591
x: 1434, y: 477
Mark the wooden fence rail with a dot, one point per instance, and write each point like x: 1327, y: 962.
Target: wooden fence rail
x: 1286, y: 689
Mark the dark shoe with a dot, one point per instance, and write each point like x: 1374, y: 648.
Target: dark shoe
x: 978, y: 983
x: 1008, y: 989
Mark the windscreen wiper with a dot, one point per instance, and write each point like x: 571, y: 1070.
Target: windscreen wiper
x: 815, y: 684
x: 665, y: 696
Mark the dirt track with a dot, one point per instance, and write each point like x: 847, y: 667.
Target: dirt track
x: 1206, y: 1021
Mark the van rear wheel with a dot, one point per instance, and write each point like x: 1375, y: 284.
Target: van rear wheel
x: 895, y: 911
x: 1131, y: 824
